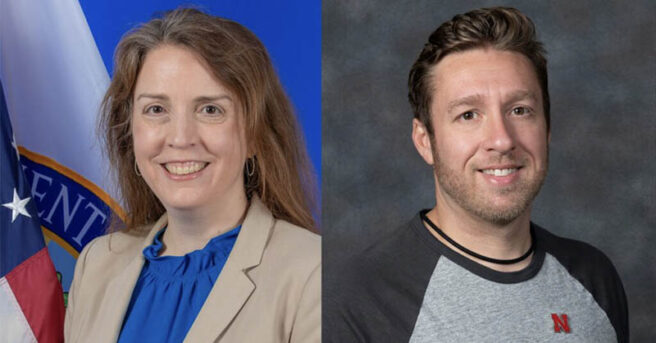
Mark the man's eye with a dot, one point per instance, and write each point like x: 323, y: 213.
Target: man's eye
x: 520, y: 111
x: 469, y: 115
x: 155, y: 109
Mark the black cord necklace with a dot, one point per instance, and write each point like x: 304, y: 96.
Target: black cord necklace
x: 471, y: 253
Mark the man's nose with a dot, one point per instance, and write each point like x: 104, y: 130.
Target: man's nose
x: 500, y: 135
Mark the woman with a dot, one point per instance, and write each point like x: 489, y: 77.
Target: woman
x: 206, y: 147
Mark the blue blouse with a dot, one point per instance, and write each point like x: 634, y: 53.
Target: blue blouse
x: 172, y: 289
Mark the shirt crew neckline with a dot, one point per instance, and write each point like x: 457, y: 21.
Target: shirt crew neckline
x: 480, y: 270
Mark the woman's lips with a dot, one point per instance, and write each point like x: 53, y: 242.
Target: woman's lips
x: 184, y: 168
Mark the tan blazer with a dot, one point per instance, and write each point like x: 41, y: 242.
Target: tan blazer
x: 268, y: 291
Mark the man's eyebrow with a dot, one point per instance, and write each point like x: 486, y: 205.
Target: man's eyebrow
x: 153, y: 96
x: 521, y: 95
x: 469, y: 100
x: 474, y: 99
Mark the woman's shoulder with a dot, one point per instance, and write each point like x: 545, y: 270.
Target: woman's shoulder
x: 116, y: 242
x: 113, y: 249
x: 296, y: 241
x: 295, y: 233
x: 297, y: 236
x: 125, y: 241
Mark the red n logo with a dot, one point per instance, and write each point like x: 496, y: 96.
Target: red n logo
x: 560, y: 323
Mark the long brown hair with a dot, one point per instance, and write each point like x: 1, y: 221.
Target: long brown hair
x: 281, y: 176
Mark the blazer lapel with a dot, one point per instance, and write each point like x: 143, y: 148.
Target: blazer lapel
x: 119, y: 291
x: 233, y: 287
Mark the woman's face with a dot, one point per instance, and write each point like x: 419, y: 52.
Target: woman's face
x: 188, y: 133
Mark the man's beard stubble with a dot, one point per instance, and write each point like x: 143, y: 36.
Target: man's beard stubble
x: 475, y: 203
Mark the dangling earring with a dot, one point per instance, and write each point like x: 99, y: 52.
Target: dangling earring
x: 136, y: 169
x: 250, y: 166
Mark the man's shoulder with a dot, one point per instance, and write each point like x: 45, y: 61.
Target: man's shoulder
x: 596, y: 273
x: 577, y: 256
x: 375, y: 293
x: 393, y: 251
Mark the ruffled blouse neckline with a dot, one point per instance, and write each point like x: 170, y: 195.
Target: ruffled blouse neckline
x: 171, y: 290
x: 191, y: 264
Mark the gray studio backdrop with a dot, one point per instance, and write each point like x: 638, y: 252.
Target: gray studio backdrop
x: 602, y: 79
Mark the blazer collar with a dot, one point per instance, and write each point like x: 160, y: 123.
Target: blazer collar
x: 230, y: 292
x: 119, y: 290
x: 233, y: 287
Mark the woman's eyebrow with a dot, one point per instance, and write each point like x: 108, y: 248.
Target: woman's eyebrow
x: 153, y: 96
x: 207, y: 98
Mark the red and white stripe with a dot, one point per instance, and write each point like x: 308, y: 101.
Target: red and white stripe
x: 31, y: 302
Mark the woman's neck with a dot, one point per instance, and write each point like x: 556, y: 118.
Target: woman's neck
x: 190, y: 229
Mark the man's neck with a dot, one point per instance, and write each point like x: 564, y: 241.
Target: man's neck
x: 502, y: 242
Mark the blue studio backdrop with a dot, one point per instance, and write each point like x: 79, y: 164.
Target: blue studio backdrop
x: 290, y: 30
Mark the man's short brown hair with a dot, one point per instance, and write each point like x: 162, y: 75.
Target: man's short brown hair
x: 501, y: 28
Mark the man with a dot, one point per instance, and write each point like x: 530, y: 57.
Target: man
x: 474, y: 268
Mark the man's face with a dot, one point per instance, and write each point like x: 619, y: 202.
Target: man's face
x: 489, y: 148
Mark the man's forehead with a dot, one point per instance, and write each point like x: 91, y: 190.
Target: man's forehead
x: 471, y: 75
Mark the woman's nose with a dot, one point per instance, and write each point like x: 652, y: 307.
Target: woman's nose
x: 183, y: 132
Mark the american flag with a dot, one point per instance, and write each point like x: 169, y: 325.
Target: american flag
x: 31, y: 299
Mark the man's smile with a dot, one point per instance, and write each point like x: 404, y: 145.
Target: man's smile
x: 499, y: 172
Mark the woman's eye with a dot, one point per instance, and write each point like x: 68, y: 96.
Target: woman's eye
x: 155, y: 109
x: 211, y: 110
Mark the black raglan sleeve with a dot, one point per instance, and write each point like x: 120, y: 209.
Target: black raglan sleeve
x: 376, y: 295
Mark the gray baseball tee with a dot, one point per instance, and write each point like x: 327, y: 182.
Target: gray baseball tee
x: 409, y: 287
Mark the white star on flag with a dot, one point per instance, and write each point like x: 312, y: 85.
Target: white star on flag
x: 17, y: 206
x: 13, y: 143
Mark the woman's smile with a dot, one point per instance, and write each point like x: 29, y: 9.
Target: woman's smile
x: 184, y: 168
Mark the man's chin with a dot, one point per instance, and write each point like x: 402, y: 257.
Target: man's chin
x: 501, y: 214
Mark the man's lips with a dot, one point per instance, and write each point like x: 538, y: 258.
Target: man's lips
x: 500, y: 171
x: 501, y: 175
